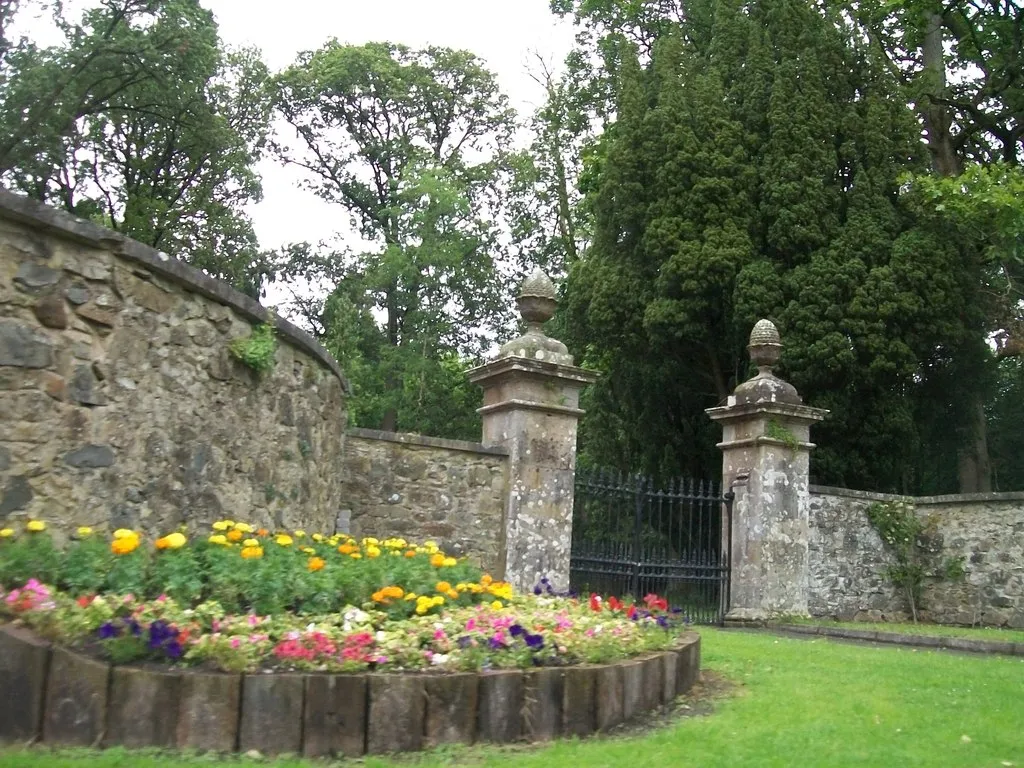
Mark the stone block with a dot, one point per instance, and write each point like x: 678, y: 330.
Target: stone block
x: 51, y: 312
x: 335, y: 716
x: 543, y: 693
x: 500, y: 706
x: 688, y: 663
x: 16, y: 495
x: 23, y: 346
x: 608, y: 697
x: 451, y: 709
x: 94, y: 313
x: 143, y: 708
x: 90, y: 457
x: 76, y: 699
x: 24, y: 660
x: 271, y: 719
x: 396, y: 713
x: 653, y: 682
x: 632, y: 689
x: 32, y: 276
x: 208, y: 708
x: 579, y: 701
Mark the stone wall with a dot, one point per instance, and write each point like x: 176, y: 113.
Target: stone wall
x: 424, y: 488
x: 848, y: 560
x: 120, y: 404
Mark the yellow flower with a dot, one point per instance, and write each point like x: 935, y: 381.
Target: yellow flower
x: 355, y: 555
x: 35, y: 526
x: 300, y: 534
x: 318, y: 537
x: 422, y: 608
x: 243, y: 527
x: 175, y: 540
x: 251, y: 553
x: 229, y: 523
x: 6, y: 533
x: 218, y: 538
x: 84, y: 531
x: 496, y: 605
x: 125, y: 533
x: 450, y: 562
x: 221, y: 525
x: 251, y: 543
x: 315, y: 563
x: 486, y: 580
x: 284, y: 540
x: 411, y: 596
x: 124, y: 545
x: 307, y: 550
x: 370, y: 542
x: 501, y: 589
x: 437, y: 600
x: 372, y: 551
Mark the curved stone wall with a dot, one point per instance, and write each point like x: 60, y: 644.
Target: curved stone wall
x: 120, y: 405
x: 57, y: 696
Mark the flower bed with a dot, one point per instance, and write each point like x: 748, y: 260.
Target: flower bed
x: 359, y: 633
x: 242, y: 600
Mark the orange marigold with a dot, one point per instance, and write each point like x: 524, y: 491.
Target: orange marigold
x: 437, y: 560
x: 410, y: 553
x: 348, y: 549
x: 315, y: 563
x: 235, y: 535
x: 251, y: 553
x: 125, y: 545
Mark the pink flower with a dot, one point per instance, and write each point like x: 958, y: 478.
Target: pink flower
x: 253, y: 620
x: 236, y: 642
x: 439, y: 634
x: 471, y: 625
x: 162, y: 599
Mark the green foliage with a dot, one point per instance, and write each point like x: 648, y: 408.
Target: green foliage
x: 913, y: 543
x: 258, y: 349
x: 776, y: 431
x: 413, y: 146
x: 754, y: 169
x: 142, y: 121
x: 32, y: 556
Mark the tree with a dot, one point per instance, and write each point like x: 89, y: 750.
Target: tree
x: 960, y: 63
x: 413, y: 146
x: 143, y: 122
x: 753, y: 169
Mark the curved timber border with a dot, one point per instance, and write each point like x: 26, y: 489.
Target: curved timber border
x: 52, y: 694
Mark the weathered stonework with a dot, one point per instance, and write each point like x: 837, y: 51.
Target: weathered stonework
x: 531, y: 408
x: 120, y: 405
x: 448, y: 491
x: 765, y: 462
x: 848, y: 559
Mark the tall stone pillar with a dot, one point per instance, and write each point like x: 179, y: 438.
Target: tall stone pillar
x: 531, y: 406
x: 765, y: 461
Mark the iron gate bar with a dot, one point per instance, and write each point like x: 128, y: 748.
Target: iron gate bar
x: 633, y: 537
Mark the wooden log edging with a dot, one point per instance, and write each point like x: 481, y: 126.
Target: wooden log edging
x: 57, y: 696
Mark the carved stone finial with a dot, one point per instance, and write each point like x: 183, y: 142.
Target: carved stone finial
x: 537, y: 301
x: 765, y: 345
x: 765, y: 348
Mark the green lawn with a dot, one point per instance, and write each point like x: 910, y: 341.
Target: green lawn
x: 937, y: 630
x: 798, y: 702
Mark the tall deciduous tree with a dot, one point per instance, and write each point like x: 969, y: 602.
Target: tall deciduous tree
x: 143, y: 122
x: 412, y: 146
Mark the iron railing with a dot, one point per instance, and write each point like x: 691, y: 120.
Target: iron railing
x: 633, y: 537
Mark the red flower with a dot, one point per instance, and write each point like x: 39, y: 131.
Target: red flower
x: 595, y: 603
x: 656, y: 603
x: 631, y: 613
x: 614, y: 603
x: 84, y: 601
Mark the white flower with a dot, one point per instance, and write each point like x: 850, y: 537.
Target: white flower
x: 438, y: 658
x: 381, y: 635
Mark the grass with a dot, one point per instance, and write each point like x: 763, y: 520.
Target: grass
x: 936, y: 630
x: 797, y: 702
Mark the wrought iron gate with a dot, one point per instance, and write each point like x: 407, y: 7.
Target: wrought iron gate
x: 630, y: 537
